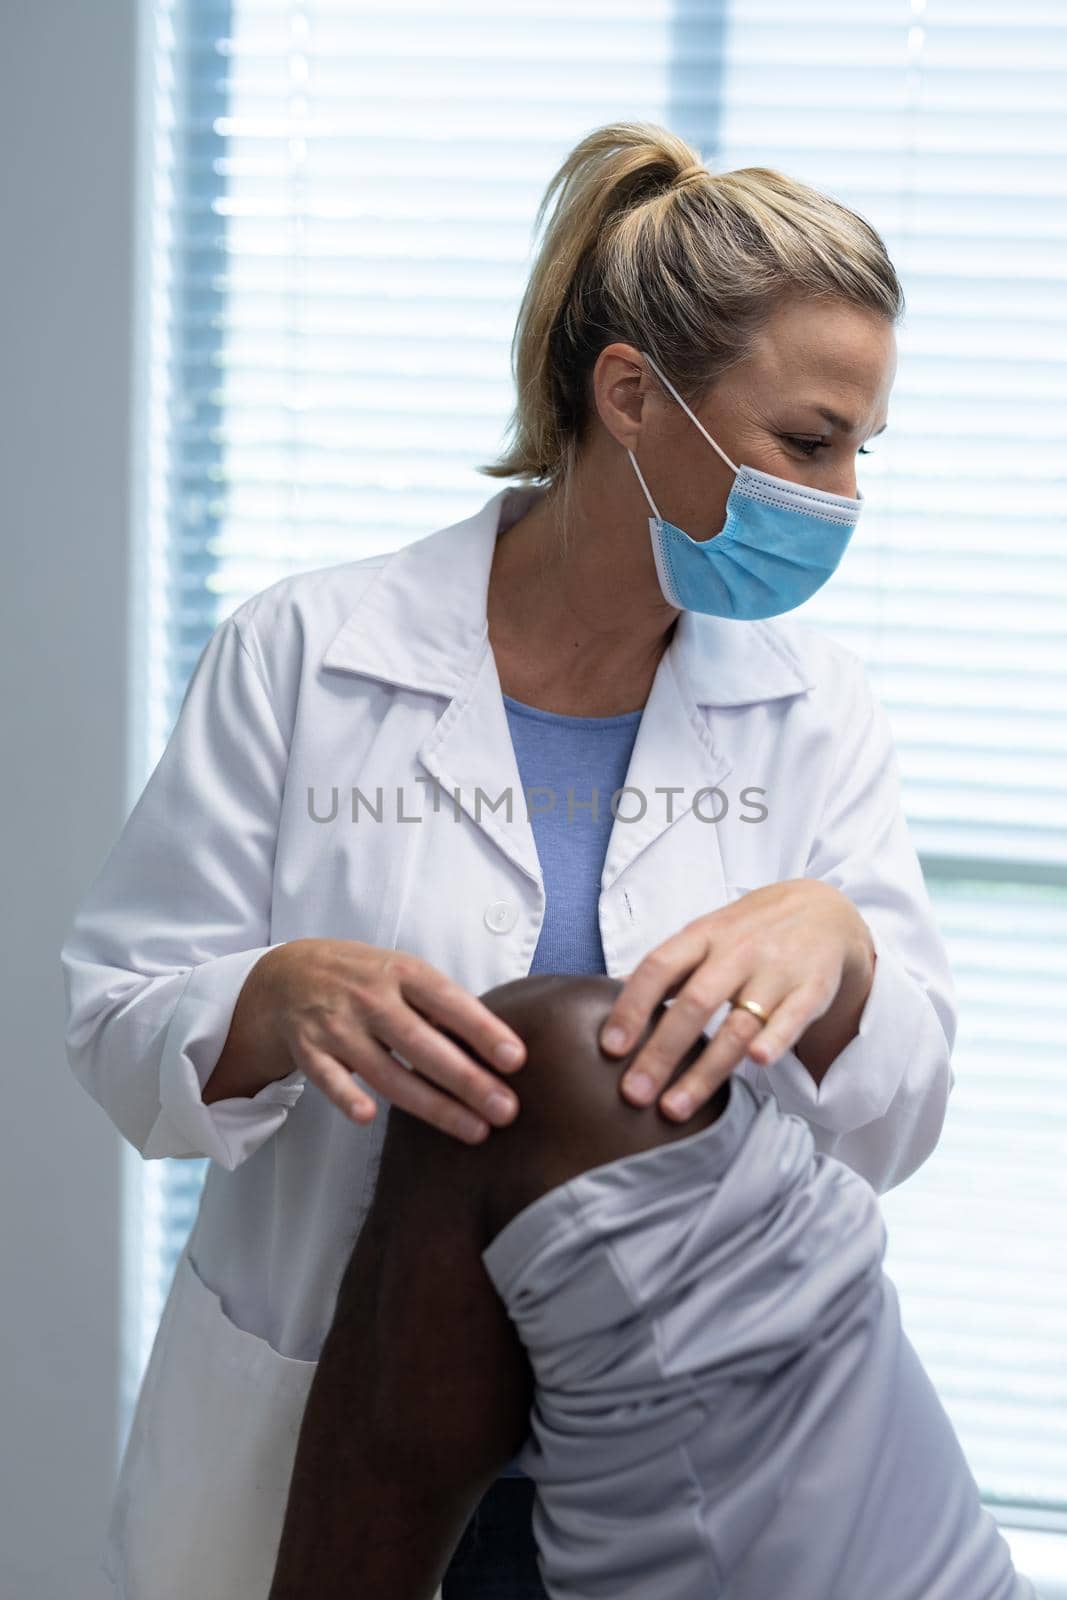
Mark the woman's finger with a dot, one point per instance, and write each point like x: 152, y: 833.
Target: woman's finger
x: 712, y: 1067
x: 399, y: 1086
x: 713, y: 983
x: 433, y: 1056
x: 739, y: 1034
x: 652, y: 978
x: 439, y: 998
x: 791, y: 1018
x: 335, y: 1081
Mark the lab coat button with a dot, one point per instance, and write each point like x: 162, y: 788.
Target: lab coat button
x: 501, y: 916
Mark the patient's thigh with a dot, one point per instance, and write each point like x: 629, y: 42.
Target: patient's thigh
x: 451, y: 1383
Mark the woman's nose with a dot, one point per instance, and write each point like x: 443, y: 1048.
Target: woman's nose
x: 844, y: 482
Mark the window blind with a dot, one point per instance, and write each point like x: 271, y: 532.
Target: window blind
x: 342, y: 198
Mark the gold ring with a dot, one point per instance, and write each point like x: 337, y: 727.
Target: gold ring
x: 753, y: 1006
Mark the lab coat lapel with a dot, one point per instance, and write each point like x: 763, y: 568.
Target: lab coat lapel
x: 674, y: 756
x: 471, y: 754
x: 422, y: 624
x: 669, y: 864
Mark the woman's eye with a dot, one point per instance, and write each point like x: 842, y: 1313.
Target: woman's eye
x: 808, y: 447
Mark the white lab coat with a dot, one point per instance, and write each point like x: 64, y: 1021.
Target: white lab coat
x: 374, y: 673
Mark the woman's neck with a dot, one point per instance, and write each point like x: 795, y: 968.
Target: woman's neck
x: 572, y: 630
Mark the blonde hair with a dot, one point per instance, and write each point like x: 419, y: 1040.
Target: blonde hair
x: 648, y: 247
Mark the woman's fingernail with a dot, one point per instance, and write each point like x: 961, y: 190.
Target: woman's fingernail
x: 681, y: 1104
x: 508, y: 1054
x: 500, y: 1107
x: 613, y: 1038
x: 638, y: 1087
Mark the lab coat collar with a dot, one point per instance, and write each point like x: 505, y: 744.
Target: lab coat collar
x: 421, y: 622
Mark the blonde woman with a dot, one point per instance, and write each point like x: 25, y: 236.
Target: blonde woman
x: 334, y: 857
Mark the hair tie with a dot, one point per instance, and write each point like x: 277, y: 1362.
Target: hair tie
x: 692, y: 171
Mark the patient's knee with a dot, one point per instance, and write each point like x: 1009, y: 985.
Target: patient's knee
x: 572, y: 1114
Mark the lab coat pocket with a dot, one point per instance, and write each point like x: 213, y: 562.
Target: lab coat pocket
x: 202, y: 1492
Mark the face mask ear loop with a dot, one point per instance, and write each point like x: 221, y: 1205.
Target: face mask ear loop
x: 644, y: 486
x: 663, y: 377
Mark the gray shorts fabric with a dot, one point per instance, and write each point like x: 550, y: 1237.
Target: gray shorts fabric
x: 726, y: 1404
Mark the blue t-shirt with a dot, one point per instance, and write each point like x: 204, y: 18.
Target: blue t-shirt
x: 570, y: 767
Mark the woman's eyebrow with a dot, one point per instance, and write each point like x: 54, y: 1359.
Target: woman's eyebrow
x: 843, y: 422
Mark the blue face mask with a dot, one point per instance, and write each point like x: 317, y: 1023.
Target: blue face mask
x: 780, y: 542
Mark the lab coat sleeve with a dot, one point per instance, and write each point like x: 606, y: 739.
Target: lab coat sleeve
x: 881, y: 1105
x: 178, y: 916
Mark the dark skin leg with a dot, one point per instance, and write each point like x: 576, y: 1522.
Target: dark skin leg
x: 423, y: 1389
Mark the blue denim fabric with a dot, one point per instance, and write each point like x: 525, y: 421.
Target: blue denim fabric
x: 496, y: 1557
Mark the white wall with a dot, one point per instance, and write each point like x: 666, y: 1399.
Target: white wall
x: 67, y: 73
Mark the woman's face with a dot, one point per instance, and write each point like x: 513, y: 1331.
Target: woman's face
x: 808, y: 357
x: 765, y: 413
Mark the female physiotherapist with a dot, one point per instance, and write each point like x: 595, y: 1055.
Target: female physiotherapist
x: 334, y: 853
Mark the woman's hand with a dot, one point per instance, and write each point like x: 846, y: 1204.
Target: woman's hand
x: 340, y: 1007
x: 800, y: 948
